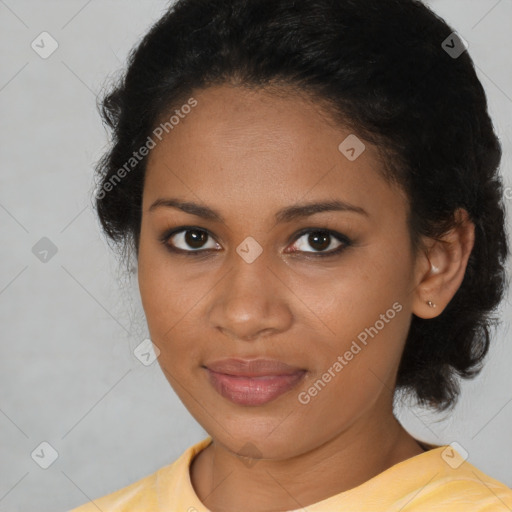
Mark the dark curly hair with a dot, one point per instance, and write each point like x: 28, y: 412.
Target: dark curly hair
x: 380, y: 67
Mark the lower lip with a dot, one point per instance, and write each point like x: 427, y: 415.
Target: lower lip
x: 253, y: 390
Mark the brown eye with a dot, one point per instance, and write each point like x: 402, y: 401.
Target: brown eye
x: 195, y: 238
x: 189, y: 240
x: 320, y: 240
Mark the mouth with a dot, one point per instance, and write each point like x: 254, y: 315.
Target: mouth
x: 252, y: 382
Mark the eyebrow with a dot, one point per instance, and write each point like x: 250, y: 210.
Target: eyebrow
x: 286, y: 214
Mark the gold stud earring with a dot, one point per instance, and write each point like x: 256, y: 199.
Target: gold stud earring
x: 431, y: 304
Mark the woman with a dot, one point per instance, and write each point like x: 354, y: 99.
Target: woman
x: 310, y: 190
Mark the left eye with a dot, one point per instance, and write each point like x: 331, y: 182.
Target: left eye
x: 320, y: 241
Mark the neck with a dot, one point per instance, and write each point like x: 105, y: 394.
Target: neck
x: 223, y: 480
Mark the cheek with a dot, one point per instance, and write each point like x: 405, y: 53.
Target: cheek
x: 368, y: 313
x: 164, y: 308
x: 357, y: 369
x: 157, y: 282
x: 169, y: 302
x: 368, y: 345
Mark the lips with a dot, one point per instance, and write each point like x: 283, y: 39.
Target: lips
x: 253, y: 382
x: 252, y: 367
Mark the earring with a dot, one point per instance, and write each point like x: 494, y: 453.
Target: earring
x: 431, y: 304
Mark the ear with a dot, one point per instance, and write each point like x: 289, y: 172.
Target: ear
x: 441, y: 265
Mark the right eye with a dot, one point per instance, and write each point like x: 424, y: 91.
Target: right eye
x: 191, y: 238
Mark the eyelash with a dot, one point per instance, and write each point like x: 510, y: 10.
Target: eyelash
x: 344, y: 240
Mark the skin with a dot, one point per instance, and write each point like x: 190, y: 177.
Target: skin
x: 247, y: 154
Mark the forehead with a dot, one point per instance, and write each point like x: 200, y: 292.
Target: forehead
x: 260, y: 147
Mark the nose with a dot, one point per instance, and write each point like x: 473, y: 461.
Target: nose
x: 251, y: 302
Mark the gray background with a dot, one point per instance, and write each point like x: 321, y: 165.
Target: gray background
x: 69, y: 325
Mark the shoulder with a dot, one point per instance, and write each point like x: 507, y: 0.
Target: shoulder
x: 452, y: 483
x: 141, y: 493
x: 169, y: 484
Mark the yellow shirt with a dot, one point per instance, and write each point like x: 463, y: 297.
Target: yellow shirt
x: 438, y: 480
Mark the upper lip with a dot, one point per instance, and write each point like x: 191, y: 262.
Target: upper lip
x: 252, y: 367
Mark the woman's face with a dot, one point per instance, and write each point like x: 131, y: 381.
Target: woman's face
x: 249, y: 281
